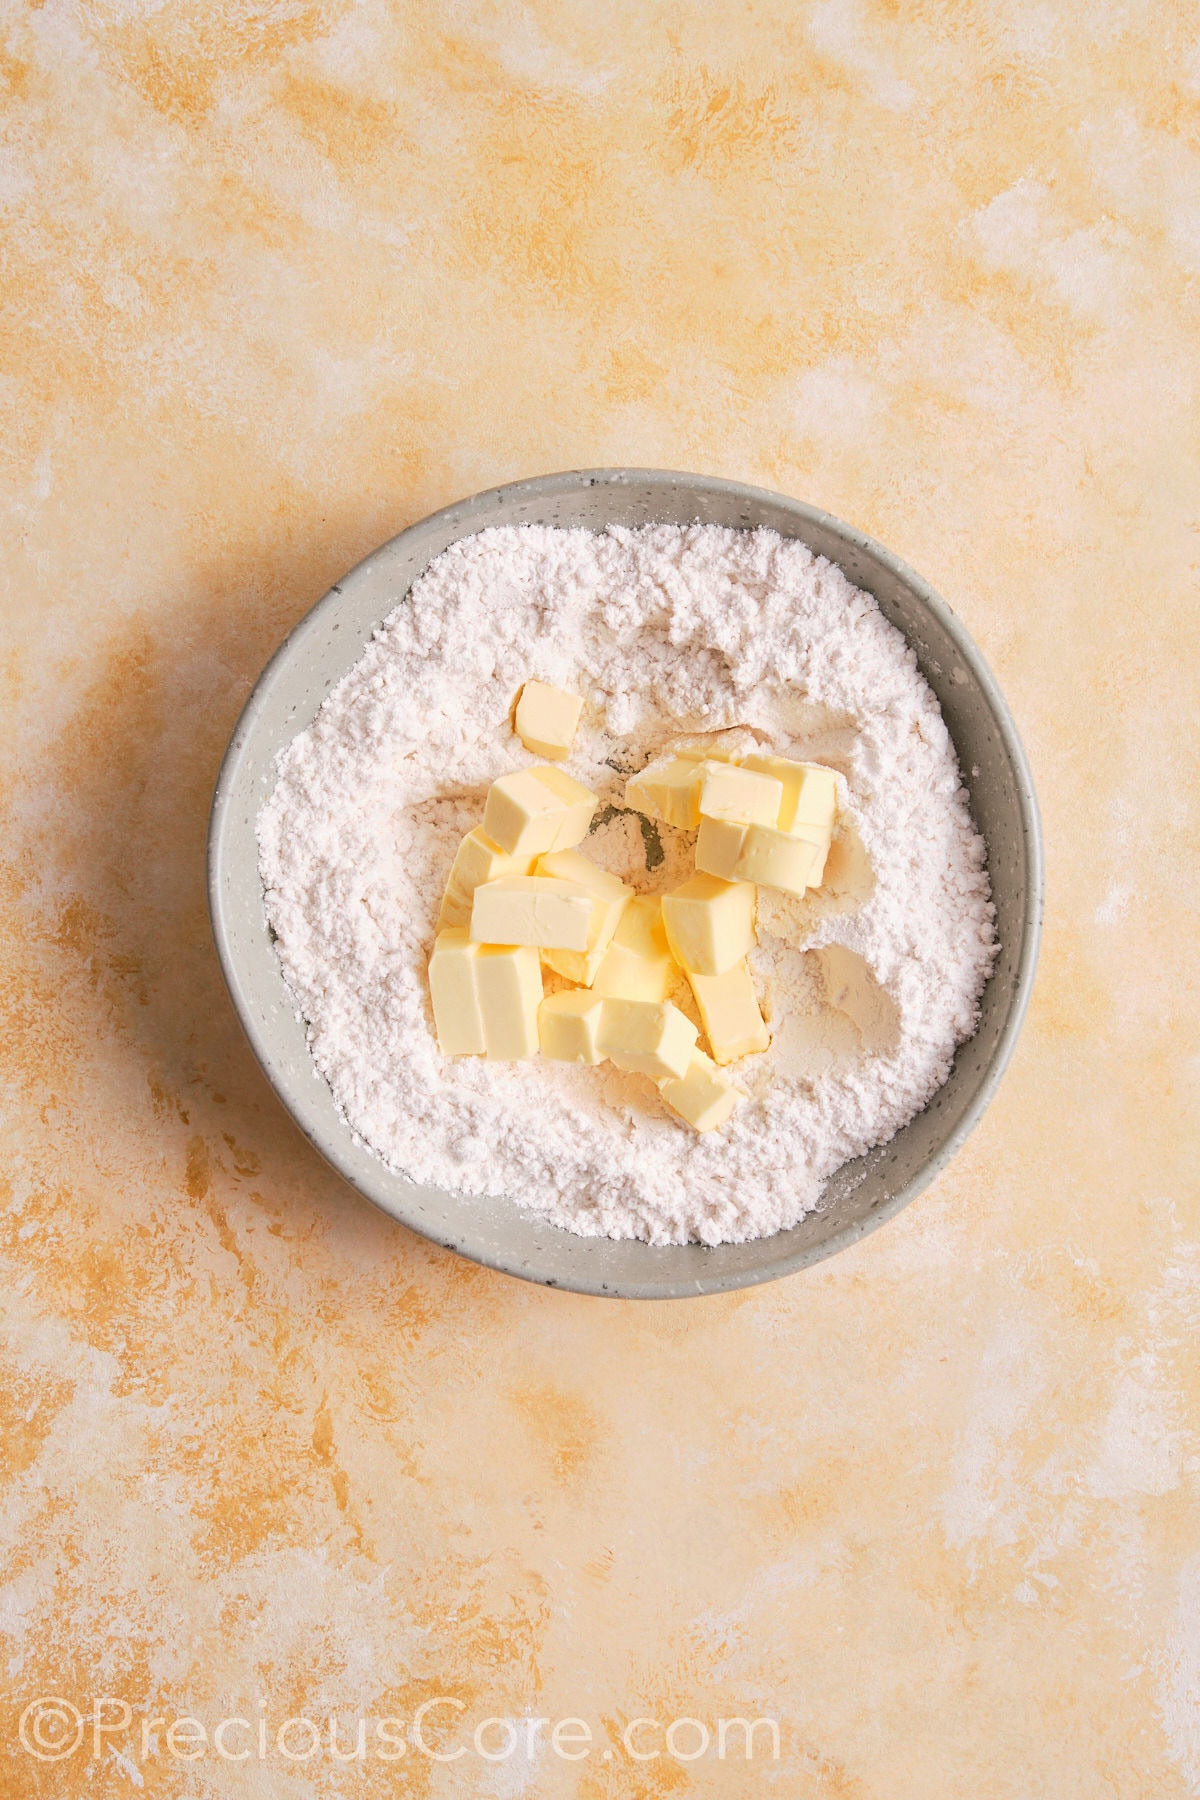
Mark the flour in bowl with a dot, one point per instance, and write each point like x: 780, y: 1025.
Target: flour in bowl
x: 670, y: 633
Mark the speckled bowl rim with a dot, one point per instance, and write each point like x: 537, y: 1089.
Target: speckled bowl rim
x: 461, y: 518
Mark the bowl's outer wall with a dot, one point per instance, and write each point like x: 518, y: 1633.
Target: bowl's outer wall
x: 326, y: 644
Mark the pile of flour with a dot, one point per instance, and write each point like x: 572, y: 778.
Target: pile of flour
x: 669, y: 633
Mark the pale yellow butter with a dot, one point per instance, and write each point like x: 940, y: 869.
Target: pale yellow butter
x: 455, y: 910
x: 456, y: 1015
x: 485, y: 999
x: 777, y: 859
x: 738, y: 796
x: 709, y: 923
x: 638, y: 964
x: 718, y: 847
x: 650, y: 1037
x: 477, y: 860
x: 757, y: 853
x: 610, y: 896
x: 509, y: 982
x: 823, y: 846
x: 668, y: 790
x: 547, y: 718
x: 534, y: 810
x: 535, y: 910
x: 702, y: 1095
x: 809, y: 803
x: 729, y: 1009
x: 701, y: 751
x: 569, y: 1026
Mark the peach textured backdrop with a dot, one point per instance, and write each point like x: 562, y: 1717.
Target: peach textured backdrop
x: 281, y: 276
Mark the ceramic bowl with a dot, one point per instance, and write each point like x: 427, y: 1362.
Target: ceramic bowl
x: 500, y: 1233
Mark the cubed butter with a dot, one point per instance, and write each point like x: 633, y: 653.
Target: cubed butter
x: 455, y: 910
x: 547, y: 718
x: 452, y: 988
x: 757, y: 853
x: 703, y: 1095
x: 610, y: 896
x: 485, y: 999
x: 572, y: 865
x: 569, y: 1026
x: 809, y: 793
x: 509, y: 980
x: 477, y: 860
x: 779, y: 859
x: 718, y: 847
x: 668, y: 790
x: 702, y: 751
x: 651, y: 1037
x: 729, y: 1009
x: 534, y: 810
x: 738, y: 796
x: 535, y: 910
x: 638, y: 964
x: 822, y: 844
x: 709, y: 923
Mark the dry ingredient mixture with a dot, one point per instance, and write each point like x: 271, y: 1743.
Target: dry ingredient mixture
x: 731, y: 639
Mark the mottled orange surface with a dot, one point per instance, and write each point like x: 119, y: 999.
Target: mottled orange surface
x: 279, y: 277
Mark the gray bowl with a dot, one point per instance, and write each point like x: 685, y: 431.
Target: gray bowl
x: 498, y: 1232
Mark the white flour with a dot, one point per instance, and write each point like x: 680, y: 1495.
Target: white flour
x: 667, y: 632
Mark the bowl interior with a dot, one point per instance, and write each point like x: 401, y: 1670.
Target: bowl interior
x: 499, y: 1233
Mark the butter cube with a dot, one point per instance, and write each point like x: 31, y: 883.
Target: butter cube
x: 823, y: 847
x: 546, y: 718
x: 509, y: 982
x: 455, y: 911
x: 709, y: 923
x: 708, y: 752
x: 485, y: 1000
x: 569, y: 1026
x: 610, y: 897
x: 456, y: 1014
x: 729, y: 1008
x: 779, y: 860
x: 572, y: 865
x: 756, y: 853
x: 538, y: 809
x: 718, y: 848
x: 739, y: 796
x: 668, y: 790
x: 703, y: 1096
x: 651, y: 1037
x: 809, y: 793
x: 532, y: 909
x: 477, y: 860
x: 638, y: 964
